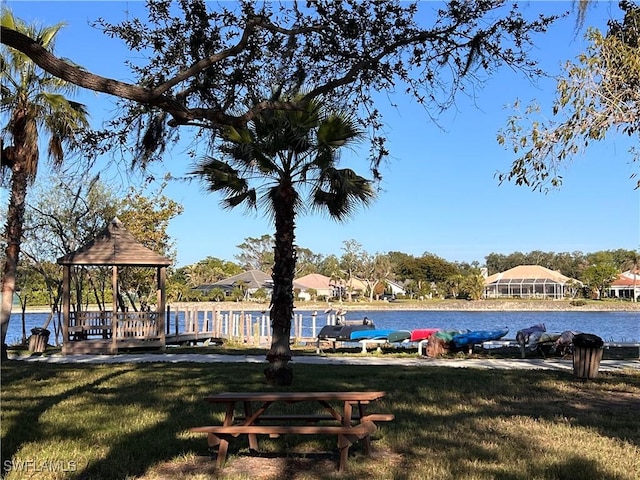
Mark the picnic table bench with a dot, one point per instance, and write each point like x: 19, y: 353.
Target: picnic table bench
x: 348, y: 425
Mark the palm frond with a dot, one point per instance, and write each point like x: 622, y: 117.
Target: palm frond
x: 291, y: 155
x: 337, y: 130
x: 219, y: 176
x: 341, y: 191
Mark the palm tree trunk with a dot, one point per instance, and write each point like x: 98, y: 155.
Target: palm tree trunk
x: 279, y: 372
x: 13, y: 235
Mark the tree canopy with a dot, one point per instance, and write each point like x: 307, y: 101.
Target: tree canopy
x: 210, y: 67
x: 597, y: 95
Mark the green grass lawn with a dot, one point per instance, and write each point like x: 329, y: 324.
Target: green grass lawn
x: 131, y: 421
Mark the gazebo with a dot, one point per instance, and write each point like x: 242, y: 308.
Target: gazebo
x: 106, y: 331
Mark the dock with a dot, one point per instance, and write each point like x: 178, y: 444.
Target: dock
x: 190, y: 324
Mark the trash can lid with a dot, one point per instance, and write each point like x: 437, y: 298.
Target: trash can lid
x: 587, y: 340
x: 40, y: 331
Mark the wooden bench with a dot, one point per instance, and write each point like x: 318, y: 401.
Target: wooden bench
x: 220, y: 435
x: 373, y: 417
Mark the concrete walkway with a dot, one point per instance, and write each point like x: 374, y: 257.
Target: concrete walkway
x: 515, y: 363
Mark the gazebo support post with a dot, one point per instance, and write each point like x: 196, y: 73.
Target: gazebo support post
x: 66, y: 307
x: 114, y: 310
x: 161, y: 298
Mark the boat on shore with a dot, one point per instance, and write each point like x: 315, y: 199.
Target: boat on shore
x: 419, y: 334
x: 478, y: 336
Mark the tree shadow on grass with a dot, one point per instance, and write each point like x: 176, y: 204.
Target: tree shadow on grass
x: 467, y: 441
x: 19, y: 432
x: 426, y: 424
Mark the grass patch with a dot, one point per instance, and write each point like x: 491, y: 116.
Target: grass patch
x: 131, y: 421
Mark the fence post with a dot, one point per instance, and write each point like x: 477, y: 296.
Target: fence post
x: 313, y: 324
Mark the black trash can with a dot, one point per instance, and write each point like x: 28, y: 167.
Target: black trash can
x: 38, y: 340
x: 587, y: 353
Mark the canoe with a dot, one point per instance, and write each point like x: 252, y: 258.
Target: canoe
x: 478, y: 336
x: 522, y: 336
x: 543, y: 337
x: 422, y: 333
x: 373, y: 334
x: 399, y: 336
x: 341, y: 333
x: 447, y: 335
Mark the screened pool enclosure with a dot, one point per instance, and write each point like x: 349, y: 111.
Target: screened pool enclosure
x: 528, y: 281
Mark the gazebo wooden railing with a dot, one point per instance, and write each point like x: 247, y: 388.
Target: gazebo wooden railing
x: 129, y: 325
x: 133, y: 329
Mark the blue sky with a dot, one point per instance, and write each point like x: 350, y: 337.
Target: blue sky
x: 439, y: 193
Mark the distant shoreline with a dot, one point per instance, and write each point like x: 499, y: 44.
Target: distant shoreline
x: 442, y: 305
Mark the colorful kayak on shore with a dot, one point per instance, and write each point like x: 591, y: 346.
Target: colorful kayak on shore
x: 543, y: 337
x: 478, y: 336
x: 373, y: 334
x: 422, y: 333
x: 399, y: 336
x: 342, y: 333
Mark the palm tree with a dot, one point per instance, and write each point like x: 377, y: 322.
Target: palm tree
x: 33, y: 102
x: 286, y: 162
x: 633, y: 264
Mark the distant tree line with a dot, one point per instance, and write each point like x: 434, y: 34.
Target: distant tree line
x: 424, y: 276
x: 63, y: 217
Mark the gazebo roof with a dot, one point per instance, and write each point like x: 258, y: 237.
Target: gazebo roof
x: 115, y: 245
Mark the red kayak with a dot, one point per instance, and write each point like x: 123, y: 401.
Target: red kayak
x: 422, y: 333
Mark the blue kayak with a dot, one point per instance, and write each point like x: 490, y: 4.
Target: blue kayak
x: 371, y: 334
x: 478, y: 336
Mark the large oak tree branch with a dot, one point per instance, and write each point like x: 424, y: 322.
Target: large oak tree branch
x: 152, y: 97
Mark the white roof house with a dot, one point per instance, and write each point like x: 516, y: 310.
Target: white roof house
x: 627, y: 285
x: 527, y: 281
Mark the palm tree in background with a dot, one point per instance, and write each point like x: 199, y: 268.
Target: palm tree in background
x: 33, y: 104
x: 286, y: 162
x: 633, y: 264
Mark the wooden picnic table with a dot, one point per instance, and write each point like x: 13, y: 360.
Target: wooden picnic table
x: 343, y: 415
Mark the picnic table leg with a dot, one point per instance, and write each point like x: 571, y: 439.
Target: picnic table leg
x: 367, y: 439
x: 347, y: 414
x: 343, y: 445
x: 221, y: 452
x: 222, y: 442
x: 253, y: 439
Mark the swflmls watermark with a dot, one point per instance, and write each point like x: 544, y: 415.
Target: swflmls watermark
x: 33, y: 465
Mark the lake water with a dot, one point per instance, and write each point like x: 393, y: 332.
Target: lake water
x: 610, y: 326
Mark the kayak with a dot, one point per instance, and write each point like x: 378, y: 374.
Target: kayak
x: 478, y: 336
x: 447, y: 335
x: 371, y: 334
x: 543, y: 337
x: 399, y: 336
x: 422, y: 333
x: 341, y: 333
